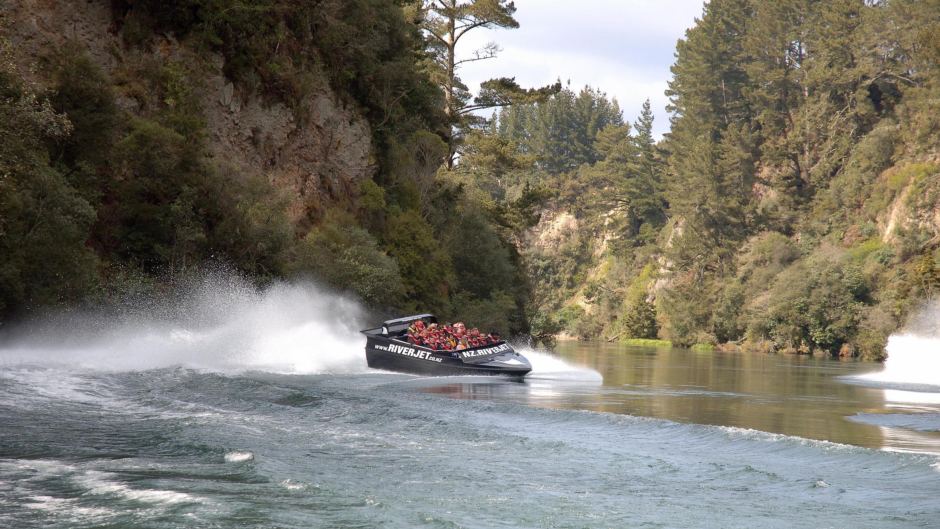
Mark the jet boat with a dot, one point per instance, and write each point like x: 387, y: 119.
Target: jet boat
x: 387, y: 347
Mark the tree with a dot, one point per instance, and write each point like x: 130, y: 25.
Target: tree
x: 650, y: 168
x: 926, y: 276
x: 561, y: 131
x: 639, y: 320
x: 446, y: 22
x: 347, y: 257
x: 712, y: 145
x: 493, y: 163
x: 44, y: 220
x: 650, y: 162
x: 426, y: 268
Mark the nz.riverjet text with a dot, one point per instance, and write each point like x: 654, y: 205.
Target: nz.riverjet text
x: 485, y: 352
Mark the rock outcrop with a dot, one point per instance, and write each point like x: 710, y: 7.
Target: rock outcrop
x: 317, y: 153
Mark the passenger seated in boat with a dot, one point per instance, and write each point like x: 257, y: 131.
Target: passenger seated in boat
x: 448, y: 337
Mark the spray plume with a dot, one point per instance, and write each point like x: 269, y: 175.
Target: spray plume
x: 913, y: 354
x: 218, y: 322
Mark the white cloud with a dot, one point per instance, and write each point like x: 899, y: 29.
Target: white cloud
x: 623, y: 47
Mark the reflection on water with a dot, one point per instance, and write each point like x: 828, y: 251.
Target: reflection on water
x: 792, y: 395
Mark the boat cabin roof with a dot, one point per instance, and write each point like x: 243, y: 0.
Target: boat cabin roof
x: 399, y: 325
x: 409, y: 320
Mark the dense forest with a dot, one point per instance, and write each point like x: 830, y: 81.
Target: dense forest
x: 794, y: 206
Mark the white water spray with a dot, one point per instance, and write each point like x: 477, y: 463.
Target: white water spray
x: 551, y: 367
x: 912, y: 361
x: 913, y: 356
x: 222, y: 324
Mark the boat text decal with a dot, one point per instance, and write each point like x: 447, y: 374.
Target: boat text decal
x: 485, y: 352
x: 408, y: 351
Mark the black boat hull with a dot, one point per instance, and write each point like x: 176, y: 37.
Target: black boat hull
x: 395, y: 355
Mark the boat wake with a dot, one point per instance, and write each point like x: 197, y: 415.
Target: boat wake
x: 222, y: 324
x: 546, y: 366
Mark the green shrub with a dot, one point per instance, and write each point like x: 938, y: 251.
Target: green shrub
x: 482, y: 262
x: 639, y: 320
x: 925, y: 278
x: 814, y: 306
x: 42, y: 238
x: 153, y: 220
x: 877, y: 325
x: 570, y: 316
x: 544, y: 327
x: 765, y: 255
x: 246, y: 223
x: 645, y: 342
x: 372, y: 204
x: 859, y: 253
x: 686, y: 311
x: 495, y: 313
x: 588, y: 327
x: 426, y: 269
x: 348, y: 258
x: 84, y: 94
x: 728, y: 317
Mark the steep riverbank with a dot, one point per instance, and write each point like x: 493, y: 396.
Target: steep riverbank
x: 794, y: 206
x: 147, y: 141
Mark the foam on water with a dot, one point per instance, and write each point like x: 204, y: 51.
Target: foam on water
x: 66, y: 506
x: 99, y: 484
x: 293, y: 485
x: 238, y: 457
x: 221, y: 324
x: 923, y: 422
x: 78, y: 499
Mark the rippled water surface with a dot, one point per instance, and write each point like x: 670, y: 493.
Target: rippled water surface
x: 268, y: 417
x: 177, y: 447
x: 816, y: 398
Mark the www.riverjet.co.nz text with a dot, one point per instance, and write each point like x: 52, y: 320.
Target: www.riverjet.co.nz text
x: 409, y: 351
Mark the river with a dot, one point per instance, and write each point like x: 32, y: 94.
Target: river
x: 264, y: 415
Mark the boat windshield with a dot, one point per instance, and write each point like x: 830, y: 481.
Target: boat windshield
x: 400, y: 326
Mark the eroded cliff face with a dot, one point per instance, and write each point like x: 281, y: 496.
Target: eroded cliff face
x: 318, y: 152
x: 916, y: 206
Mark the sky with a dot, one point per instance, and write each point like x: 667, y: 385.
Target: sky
x: 622, y: 47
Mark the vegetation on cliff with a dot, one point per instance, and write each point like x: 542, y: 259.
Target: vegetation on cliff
x: 792, y: 207
x: 107, y: 183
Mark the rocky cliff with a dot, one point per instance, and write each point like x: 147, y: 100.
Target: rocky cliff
x: 317, y: 152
